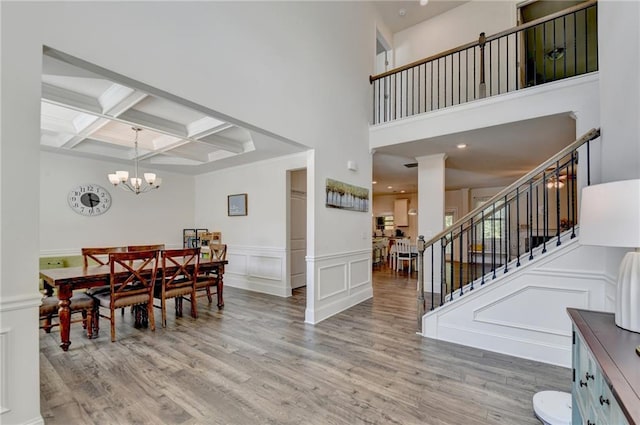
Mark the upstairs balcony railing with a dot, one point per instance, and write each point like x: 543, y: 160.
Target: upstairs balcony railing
x: 557, y: 46
x: 523, y: 221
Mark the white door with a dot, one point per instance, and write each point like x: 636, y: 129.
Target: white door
x: 298, y: 228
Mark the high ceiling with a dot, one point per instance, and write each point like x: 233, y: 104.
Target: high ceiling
x: 90, y: 113
x: 399, y: 15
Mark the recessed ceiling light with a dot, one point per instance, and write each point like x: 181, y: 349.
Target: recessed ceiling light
x: 374, y: 182
x: 461, y: 146
x: 402, y: 12
x: 424, y: 2
x: 402, y: 191
x: 389, y: 187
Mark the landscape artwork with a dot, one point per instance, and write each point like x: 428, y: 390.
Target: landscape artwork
x: 346, y: 196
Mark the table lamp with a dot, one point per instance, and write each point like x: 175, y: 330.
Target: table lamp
x: 610, y: 216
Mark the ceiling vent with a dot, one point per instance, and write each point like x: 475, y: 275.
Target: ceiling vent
x: 411, y: 165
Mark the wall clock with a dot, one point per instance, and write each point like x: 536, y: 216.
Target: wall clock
x: 89, y: 199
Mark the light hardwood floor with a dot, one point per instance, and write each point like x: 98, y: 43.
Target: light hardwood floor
x: 256, y: 362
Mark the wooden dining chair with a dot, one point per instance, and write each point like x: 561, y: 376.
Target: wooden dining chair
x: 212, y: 279
x: 99, y: 256
x: 79, y: 303
x: 131, y: 282
x: 179, y: 272
x: 138, y: 248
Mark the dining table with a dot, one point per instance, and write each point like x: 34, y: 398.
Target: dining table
x: 69, y: 279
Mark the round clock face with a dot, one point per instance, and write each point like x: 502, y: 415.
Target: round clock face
x: 89, y: 199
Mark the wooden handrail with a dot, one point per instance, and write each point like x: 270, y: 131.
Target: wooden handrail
x: 590, y: 135
x: 466, y: 46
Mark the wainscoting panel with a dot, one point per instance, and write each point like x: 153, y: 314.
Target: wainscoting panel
x: 360, y: 273
x: 523, y: 313
x: 332, y: 280
x: 341, y: 281
x: 262, y: 266
x: 260, y: 269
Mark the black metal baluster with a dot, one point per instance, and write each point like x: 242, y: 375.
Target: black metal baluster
x: 535, y: 56
x: 475, y: 72
x: 444, y: 84
x: 507, y: 232
x: 438, y: 91
x: 544, y: 43
x: 451, y: 277
x: 564, y: 43
x: 459, y: 75
x: 443, y: 272
x: 418, y: 91
x: 530, y: 219
x: 545, y: 218
x: 557, y: 184
x: 498, y: 65
x: 432, y: 273
x: 586, y: 44
x: 575, y: 43
x: 470, y: 254
x: 493, y: 240
x: 573, y: 194
x: 460, y: 258
x: 554, y: 51
x: 518, y: 226
x: 483, y: 250
x: 589, y: 163
x: 490, y: 69
x: 431, y: 88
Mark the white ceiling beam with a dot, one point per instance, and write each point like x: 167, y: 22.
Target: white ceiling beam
x: 86, y: 132
x: 126, y: 103
x: 223, y: 143
x: 67, y: 98
x: 165, y: 149
x: 154, y: 122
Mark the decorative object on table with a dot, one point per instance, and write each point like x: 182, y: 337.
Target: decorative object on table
x: 89, y: 199
x: 135, y: 185
x: 610, y: 216
x: 237, y: 204
x: 346, y: 197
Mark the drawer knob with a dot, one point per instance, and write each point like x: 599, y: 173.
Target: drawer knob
x: 604, y: 401
x: 588, y: 376
x: 582, y: 383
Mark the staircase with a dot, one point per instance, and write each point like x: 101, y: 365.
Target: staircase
x: 501, y: 277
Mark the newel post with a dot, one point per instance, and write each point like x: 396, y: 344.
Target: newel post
x: 420, y: 301
x: 482, y: 89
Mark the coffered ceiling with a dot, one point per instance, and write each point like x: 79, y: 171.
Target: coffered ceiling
x: 90, y: 113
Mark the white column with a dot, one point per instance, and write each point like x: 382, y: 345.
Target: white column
x: 431, y: 211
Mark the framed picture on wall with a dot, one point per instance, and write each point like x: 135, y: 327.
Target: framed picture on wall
x: 237, y: 204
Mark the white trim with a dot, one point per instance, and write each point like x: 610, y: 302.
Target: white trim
x: 20, y: 302
x: 476, y: 312
x: 4, y: 361
x: 338, y: 255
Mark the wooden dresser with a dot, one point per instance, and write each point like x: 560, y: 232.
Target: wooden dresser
x: 606, y: 371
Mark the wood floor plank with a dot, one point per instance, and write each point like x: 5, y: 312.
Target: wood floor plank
x: 256, y: 362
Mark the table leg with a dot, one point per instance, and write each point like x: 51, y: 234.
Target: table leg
x: 64, y: 315
x: 220, y: 287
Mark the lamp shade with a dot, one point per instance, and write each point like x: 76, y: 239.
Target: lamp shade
x: 610, y: 214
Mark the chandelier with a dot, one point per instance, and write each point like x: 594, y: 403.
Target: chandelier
x: 135, y: 184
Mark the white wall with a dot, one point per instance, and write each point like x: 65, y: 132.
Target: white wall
x: 257, y: 242
x: 288, y: 68
x: 154, y: 217
x: 619, y: 64
x: 454, y: 28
